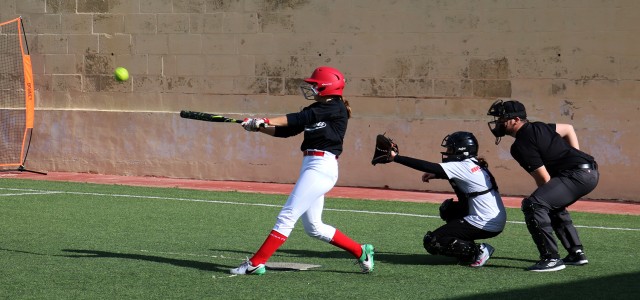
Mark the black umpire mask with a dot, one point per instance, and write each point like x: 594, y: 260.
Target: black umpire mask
x: 498, y: 127
x: 503, y: 112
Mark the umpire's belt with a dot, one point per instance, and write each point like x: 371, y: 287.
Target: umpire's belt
x: 593, y: 166
x: 316, y: 153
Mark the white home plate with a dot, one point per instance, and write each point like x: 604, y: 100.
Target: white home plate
x: 289, y: 266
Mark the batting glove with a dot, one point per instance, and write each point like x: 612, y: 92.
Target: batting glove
x: 254, y: 124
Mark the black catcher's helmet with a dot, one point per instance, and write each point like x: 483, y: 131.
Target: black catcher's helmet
x: 460, y: 145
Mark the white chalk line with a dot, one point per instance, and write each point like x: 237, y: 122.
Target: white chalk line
x: 44, y: 192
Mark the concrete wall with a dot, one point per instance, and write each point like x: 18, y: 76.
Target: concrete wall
x: 417, y: 70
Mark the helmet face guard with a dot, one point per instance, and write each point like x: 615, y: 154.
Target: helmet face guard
x: 309, y: 91
x: 460, y: 145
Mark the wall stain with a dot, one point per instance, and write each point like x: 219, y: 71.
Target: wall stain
x: 401, y: 67
x: 567, y: 109
x: 93, y: 6
x: 271, y: 70
x: 586, y: 78
x: 283, y: 21
x: 97, y: 64
x: 558, y: 88
x: 271, y: 5
x: 292, y: 86
x: 221, y: 5
x: 61, y: 6
x: 493, y: 68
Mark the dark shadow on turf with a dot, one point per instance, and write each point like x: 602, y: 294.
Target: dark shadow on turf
x: 204, y: 266
x: 413, y: 259
x: 621, y: 286
x: 532, y: 261
x: 435, y: 260
x: 24, y: 252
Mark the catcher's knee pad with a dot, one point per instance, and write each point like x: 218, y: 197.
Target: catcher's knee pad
x: 527, y: 206
x: 534, y: 214
x: 431, y: 244
x: 536, y: 223
x: 529, y: 211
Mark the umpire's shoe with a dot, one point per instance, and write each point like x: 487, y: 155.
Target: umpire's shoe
x: 547, y: 265
x: 576, y: 259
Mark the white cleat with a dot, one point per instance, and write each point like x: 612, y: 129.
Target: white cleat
x: 366, y: 259
x: 246, y: 268
x: 485, y: 253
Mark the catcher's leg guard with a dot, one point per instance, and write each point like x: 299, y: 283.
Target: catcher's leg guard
x: 465, y: 251
x: 565, y: 231
x: 539, y: 225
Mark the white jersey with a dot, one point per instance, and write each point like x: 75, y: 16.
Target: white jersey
x: 486, y: 211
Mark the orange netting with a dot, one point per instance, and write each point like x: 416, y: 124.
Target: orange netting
x: 16, y: 94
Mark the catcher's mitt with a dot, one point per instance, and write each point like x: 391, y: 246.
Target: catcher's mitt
x: 452, y: 210
x: 382, y: 153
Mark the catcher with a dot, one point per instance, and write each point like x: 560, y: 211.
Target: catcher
x: 479, y: 212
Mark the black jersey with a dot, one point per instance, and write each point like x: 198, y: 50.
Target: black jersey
x: 538, y: 144
x: 324, y: 125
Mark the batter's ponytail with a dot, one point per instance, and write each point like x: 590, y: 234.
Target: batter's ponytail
x: 346, y: 104
x: 483, y: 163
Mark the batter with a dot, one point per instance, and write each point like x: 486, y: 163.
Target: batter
x: 324, y: 124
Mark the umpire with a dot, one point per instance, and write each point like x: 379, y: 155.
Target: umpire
x: 550, y: 154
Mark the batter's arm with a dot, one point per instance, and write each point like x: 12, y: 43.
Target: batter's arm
x: 540, y: 175
x: 273, y: 122
x: 278, y: 121
x: 567, y: 132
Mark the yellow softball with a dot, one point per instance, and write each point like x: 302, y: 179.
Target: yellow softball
x: 121, y: 74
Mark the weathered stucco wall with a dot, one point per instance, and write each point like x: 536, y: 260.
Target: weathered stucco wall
x: 417, y: 70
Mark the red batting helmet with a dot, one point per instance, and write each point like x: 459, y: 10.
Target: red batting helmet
x: 329, y: 81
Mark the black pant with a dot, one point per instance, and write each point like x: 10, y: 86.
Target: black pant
x: 461, y: 229
x: 545, y: 210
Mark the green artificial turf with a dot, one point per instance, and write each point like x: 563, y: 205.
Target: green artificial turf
x: 85, y: 241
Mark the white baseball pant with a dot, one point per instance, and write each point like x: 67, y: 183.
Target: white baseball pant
x: 318, y: 175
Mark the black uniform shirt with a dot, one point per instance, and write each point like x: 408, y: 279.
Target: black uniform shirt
x: 324, y: 125
x: 539, y: 144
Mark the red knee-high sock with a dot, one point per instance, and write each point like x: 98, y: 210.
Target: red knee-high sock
x: 346, y: 243
x: 270, y: 245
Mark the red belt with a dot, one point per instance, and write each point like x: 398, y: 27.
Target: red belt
x: 314, y: 153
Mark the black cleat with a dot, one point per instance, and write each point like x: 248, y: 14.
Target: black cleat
x: 547, y: 265
x: 576, y: 259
